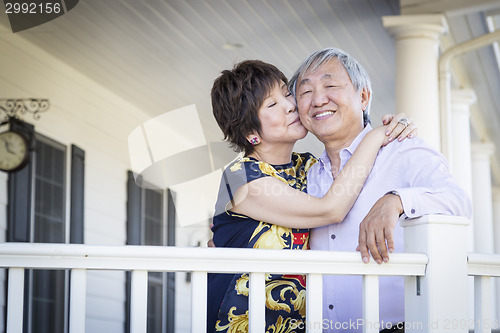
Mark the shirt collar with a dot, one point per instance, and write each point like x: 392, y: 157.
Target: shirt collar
x: 324, y: 160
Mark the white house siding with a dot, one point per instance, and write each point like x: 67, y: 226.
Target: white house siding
x: 84, y: 113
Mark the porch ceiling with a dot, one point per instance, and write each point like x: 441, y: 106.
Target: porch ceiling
x: 162, y: 55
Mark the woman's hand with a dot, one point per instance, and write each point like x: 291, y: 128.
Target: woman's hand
x: 379, y: 134
x: 399, y: 126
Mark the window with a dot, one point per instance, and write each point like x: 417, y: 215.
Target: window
x: 150, y: 221
x: 46, y: 292
x: 38, y: 210
x: 49, y: 204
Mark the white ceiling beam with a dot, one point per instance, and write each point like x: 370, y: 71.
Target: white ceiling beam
x: 450, y: 7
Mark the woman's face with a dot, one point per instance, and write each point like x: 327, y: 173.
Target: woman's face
x: 279, y: 120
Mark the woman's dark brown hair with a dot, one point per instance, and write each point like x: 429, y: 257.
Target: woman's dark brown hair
x: 237, y: 96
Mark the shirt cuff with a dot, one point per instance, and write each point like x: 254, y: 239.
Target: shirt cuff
x: 408, y: 199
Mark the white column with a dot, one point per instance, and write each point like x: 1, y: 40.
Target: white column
x: 417, y: 55
x: 482, y: 198
x: 461, y: 163
x: 496, y: 239
x: 461, y: 100
x: 495, y: 193
x: 496, y: 217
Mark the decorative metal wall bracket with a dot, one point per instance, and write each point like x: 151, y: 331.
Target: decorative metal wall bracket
x: 18, y: 107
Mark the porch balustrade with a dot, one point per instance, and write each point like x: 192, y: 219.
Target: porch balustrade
x: 434, y: 264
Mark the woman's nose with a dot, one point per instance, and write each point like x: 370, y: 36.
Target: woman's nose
x: 291, y: 107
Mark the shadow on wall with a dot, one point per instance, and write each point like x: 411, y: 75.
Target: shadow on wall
x: 170, y: 151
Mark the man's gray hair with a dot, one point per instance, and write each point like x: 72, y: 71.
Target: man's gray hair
x: 358, y: 75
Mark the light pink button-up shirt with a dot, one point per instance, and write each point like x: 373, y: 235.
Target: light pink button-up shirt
x: 420, y: 175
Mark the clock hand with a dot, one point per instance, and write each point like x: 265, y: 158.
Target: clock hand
x: 7, y: 145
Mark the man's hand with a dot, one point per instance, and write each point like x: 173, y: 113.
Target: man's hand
x: 377, y: 227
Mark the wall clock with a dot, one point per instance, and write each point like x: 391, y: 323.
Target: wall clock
x: 14, y: 151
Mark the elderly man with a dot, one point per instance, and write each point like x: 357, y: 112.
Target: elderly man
x: 409, y: 179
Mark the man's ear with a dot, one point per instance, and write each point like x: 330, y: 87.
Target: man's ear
x: 365, y: 98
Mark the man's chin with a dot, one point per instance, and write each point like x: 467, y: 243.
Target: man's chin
x: 323, y: 132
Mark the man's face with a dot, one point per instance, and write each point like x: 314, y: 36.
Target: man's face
x: 329, y: 105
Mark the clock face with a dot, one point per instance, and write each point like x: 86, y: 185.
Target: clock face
x: 13, y: 151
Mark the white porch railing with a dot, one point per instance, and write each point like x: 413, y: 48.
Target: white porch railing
x: 430, y: 294
x: 483, y: 267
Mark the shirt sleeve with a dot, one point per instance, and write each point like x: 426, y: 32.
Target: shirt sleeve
x: 427, y: 184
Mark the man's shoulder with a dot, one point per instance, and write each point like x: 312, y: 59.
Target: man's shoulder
x: 409, y: 144
x: 410, y: 152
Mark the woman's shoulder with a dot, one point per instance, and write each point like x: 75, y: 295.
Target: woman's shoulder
x: 244, y: 165
x: 242, y: 160
x: 244, y: 170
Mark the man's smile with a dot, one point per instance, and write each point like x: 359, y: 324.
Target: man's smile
x: 323, y: 114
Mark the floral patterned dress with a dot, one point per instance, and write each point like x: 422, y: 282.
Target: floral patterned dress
x: 228, y: 293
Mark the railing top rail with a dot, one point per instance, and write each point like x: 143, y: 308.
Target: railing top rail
x: 484, y: 264
x: 435, y: 219
x: 224, y: 260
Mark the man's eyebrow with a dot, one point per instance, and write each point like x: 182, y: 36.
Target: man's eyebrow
x: 304, y: 81
x: 327, y: 76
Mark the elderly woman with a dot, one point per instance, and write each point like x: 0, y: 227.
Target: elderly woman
x: 263, y: 201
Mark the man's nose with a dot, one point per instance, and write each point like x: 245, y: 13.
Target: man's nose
x: 319, y: 98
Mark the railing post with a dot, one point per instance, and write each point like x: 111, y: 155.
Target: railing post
x: 437, y: 302
x: 77, y: 298
x: 482, y: 304
x: 199, y: 302
x: 139, y: 301
x: 15, y: 299
x: 370, y: 304
x: 314, y: 305
x: 257, y: 301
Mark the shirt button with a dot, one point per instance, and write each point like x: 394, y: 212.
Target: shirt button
x: 413, y: 211
x: 330, y: 306
x: 333, y: 236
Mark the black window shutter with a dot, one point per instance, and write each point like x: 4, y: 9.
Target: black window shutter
x: 134, y: 207
x: 77, y: 195
x: 170, y: 275
x: 134, y: 216
x: 20, y: 190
